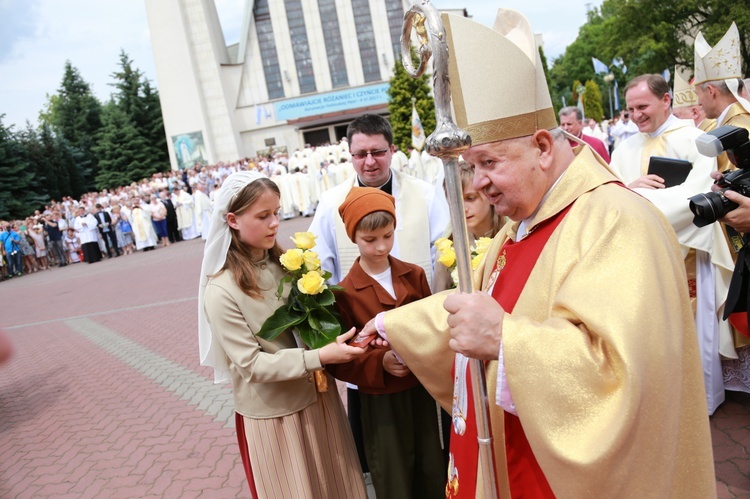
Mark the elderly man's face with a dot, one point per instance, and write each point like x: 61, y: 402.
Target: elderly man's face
x: 708, y: 102
x: 570, y: 123
x: 648, y: 111
x: 509, y: 174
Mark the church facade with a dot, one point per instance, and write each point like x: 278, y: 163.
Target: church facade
x: 302, y: 70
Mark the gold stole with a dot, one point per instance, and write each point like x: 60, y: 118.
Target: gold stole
x: 137, y: 223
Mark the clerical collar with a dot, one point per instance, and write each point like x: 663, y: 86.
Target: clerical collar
x: 387, y: 187
x: 723, y: 114
x: 524, y: 225
x: 664, y: 126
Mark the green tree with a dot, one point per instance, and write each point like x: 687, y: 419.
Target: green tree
x: 139, y: 101
x: 74, y: 114
x: 122, y: 151
x: 402, y: 88
x: 592, y: 98
x: 649, y: 36
x: 556, y: 102
x: 18, y: 196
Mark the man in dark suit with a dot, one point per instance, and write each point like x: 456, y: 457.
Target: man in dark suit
x: 172, y: 230
x: 104, y: 221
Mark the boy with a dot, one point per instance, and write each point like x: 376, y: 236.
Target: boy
x: 399, y: 418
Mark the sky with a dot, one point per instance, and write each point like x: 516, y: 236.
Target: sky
x: 38, y: 36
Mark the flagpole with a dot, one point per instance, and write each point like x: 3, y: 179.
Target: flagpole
x: 447, y: 142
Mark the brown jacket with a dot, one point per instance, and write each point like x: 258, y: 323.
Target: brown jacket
x: 363, y: 299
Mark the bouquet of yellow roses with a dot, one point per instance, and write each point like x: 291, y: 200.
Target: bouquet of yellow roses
x: 309, y: 308
x: 447, y: 254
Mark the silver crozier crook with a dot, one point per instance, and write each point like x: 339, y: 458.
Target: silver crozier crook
x: 447, y: 142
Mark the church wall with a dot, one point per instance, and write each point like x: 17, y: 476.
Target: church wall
x: 204, y: 90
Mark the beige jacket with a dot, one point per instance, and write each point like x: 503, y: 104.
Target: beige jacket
x: 270, y: 378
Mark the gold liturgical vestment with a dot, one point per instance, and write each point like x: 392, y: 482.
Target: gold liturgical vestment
x: 600, y: 351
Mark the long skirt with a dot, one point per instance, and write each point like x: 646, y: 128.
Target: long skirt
x: 306, y: 455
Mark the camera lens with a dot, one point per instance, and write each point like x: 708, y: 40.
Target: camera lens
x: 627, y: 115
x: 710, y: 207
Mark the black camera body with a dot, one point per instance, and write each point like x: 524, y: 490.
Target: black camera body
x: 711, y: 206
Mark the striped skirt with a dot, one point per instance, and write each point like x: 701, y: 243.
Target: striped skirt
x: 307, y: 455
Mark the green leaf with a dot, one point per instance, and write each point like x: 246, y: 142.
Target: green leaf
x: 284, y: 318
x: 322, y: 320
x: 325, y: 298
x: 334, y: 287
x: 285, y: 279
x: 320, y: 328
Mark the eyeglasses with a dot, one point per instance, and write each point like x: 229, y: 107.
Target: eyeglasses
x: 380, y: 153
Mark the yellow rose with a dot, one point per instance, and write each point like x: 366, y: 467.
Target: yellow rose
x: 292, y: 259
x: 475, y: 261
x: 311, y: 260
x: 311, y: 283
x: 448, y: 257
x: 482, y: 244
x: 443, y: 243
x: 304, y: 240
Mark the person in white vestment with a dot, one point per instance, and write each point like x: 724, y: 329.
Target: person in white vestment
x: 143, y: 229
x: 415, y: 163
x: 399, y: 161
x: 87, y: 229
x: 185, y: 214
x: 431, y: 168
x: 202, y: 209
x: 708, y: 259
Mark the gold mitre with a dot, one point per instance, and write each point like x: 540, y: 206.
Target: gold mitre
x: 497, y: 81
x: 722, y: 62
x: 683, y: 93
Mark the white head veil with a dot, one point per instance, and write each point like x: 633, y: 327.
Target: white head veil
x: 214, y: 256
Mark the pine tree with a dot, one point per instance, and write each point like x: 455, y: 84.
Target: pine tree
x: 122, y: 151
x: 75, y: 116
x: 593, y: 101
x: 153, y: 126
x: 556, y: 102
x: 18, y: 195
x: 402, y: 88
x: 140, y: 103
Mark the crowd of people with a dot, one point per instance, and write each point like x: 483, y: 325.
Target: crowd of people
x: 172, y: 207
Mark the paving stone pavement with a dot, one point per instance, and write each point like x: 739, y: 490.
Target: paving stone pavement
x: 104, y: 396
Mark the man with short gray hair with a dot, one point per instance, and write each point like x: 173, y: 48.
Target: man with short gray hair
x: 571, y: 120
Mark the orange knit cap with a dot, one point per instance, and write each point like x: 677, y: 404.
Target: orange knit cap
x: 360, y: 202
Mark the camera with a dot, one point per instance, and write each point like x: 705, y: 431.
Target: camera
x: 711, y: 206
x: 627, y: 115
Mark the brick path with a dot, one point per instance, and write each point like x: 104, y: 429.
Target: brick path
x: 104, y: 396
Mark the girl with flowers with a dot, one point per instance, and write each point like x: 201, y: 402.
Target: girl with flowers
x: 482, y: 223
x: 294, y: 440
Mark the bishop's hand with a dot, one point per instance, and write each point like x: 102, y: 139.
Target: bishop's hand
x: 476, y: 322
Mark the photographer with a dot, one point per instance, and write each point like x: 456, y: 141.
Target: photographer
x: 738, y: 218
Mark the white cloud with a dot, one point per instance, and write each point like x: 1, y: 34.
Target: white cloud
x: 89, y: 33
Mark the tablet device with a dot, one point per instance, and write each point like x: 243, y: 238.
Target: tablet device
x: 673, y: 171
